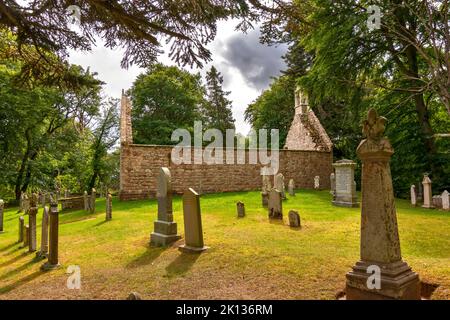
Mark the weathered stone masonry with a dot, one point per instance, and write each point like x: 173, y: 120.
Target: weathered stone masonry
x: 140, y: 165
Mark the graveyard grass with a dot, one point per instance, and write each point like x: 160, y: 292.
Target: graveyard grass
x: 249, y: 258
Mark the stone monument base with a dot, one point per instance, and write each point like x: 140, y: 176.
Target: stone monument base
x: 398, y: 282
x: 165, y: 233
x: 47, y: 266
x: 428, y: 206
x: 188, y: 249
x: 345, y: 204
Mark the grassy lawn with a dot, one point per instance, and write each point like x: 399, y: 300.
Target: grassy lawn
x: 249, y: 258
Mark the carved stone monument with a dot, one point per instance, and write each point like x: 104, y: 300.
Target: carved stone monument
x: 26, y: 236
x: 445, y: 200
x: 275, y: 205
x: 345, y: 195
x: 266, y: 186
x: 32, y: 213
x: 193, y: 231
x: 294, y: 219
x: 240, y: 209
x: 86, y: 201
x: 21, y: 228
x: 316, y: 182
x: 279, y: 184
x: 53, y: 260
x: 108, y: 207
x: 43, y: 252
x: 413, y: 195
x: 291, y: 187
x: 427, y: 193
x: 380, y: 244
x: 333, y: 186
x: 437, y: 202
x: 165, y: 230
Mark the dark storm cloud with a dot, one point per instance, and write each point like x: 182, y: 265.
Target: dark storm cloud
x: 256, y: 62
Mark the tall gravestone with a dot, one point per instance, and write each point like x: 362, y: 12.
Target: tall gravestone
x: 108, y: 206
x: 2, y: 207
x: 53, y: 260
x: 32, y: 214
x: 265, y: 190
x: 316, y: 182
x: 291, y: 187
x: 193, y: 231
x: 43, y: 251
x: 279, y: 184
x: 21, y: 228
x: 445, y: 200
x: 345, y: 194
x: 427, y: 193
x: 165, y: 229
x: 86, y: 201
x: 26, y: 236
x: 380, y: 244
x: 333, y: 186
x: 275, y: 205
x: 413, y: 195
x: 92, y: 199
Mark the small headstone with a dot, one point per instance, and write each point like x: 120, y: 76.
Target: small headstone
x: 294, y: 219
x: 2, y: 207
x: 240, y: 209
x: 291, y: 187
x: 333, y: 185
x: 86, y: 201
x: 427, y: 193
x: 413, y: 195
x: 275, y: 205
x: 32, y: 213
x: 437, y: 202
x: 43, y: 252
x: 26, y: 236
x: 21, y: 228
x: 134, y: 296
x: 108, y: 207
x: 92, y: 200
x: 445, y: 200
x: 193, y: 231
x: 279, y: 185
x: 165, y: 229
x: 316, y: 182
x: 345, y: 186
x: 53, y: 260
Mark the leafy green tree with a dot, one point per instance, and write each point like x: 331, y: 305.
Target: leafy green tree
x: 217, y: 110
x: 164, y: 99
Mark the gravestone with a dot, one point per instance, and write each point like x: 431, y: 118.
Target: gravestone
x: 333, y: 186
x: 316, y: 182
x: 193, y: 231
x: 42, y: 197
x: 445, y: 200
x: 427, y: 193
x: 108, y: 207
x: 53, y: 260
x: 26, y: 236
x: 437, y: 202
x: 266, y: 186
x: 32, y: 213
x: 240, y: 209
x: 294, y: 219
x: 275, y: 205
x: 279, y: 185
x: 380, y: 244
x: 21, y: 228
x: 86, y: 201
x: 165, y: 230
x: 92, y: 199
x: 345, y: 194
x: 26, y: 203
x: 43, y: 252
x: 2, y: 207
x: 413, y: 195
x: 291, y: 187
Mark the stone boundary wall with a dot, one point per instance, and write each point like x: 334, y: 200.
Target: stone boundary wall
x: 140, y: 164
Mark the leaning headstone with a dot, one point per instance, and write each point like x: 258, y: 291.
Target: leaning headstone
x: 21, y: 228
x: 240, y: 209
x: 43, y: 252
x: 333, y: 186
x: 427, y: 193
x: 413, y: 195
x: 294, y: 219
x: 86, y: 201
x: 2, y: 207
x: 53, y: 261
x: 92, y: 200
x: 345, y: 195
x: 291, y: 187
x: 193, y: 231
x: 32, y: 213
x: 275, y: 205
x: 279, y: 184
x: 108, y: 207
x: 316, y: 182
x: 445, y: 200
x: 437, y: 202
x: 165, y: 229
x: 380, y: 244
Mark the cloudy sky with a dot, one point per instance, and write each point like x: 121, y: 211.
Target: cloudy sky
x: 246, y: 65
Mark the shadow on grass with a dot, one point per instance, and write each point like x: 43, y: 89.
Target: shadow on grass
x: 15, y: 259
x: 20, y: 282
x: 100, y: 223
x: 19, y: 269
x: 182, y: 264
x: 9, y: 247
x: 150, y: 255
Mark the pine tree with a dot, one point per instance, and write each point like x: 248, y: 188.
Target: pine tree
x: 217, y: 110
